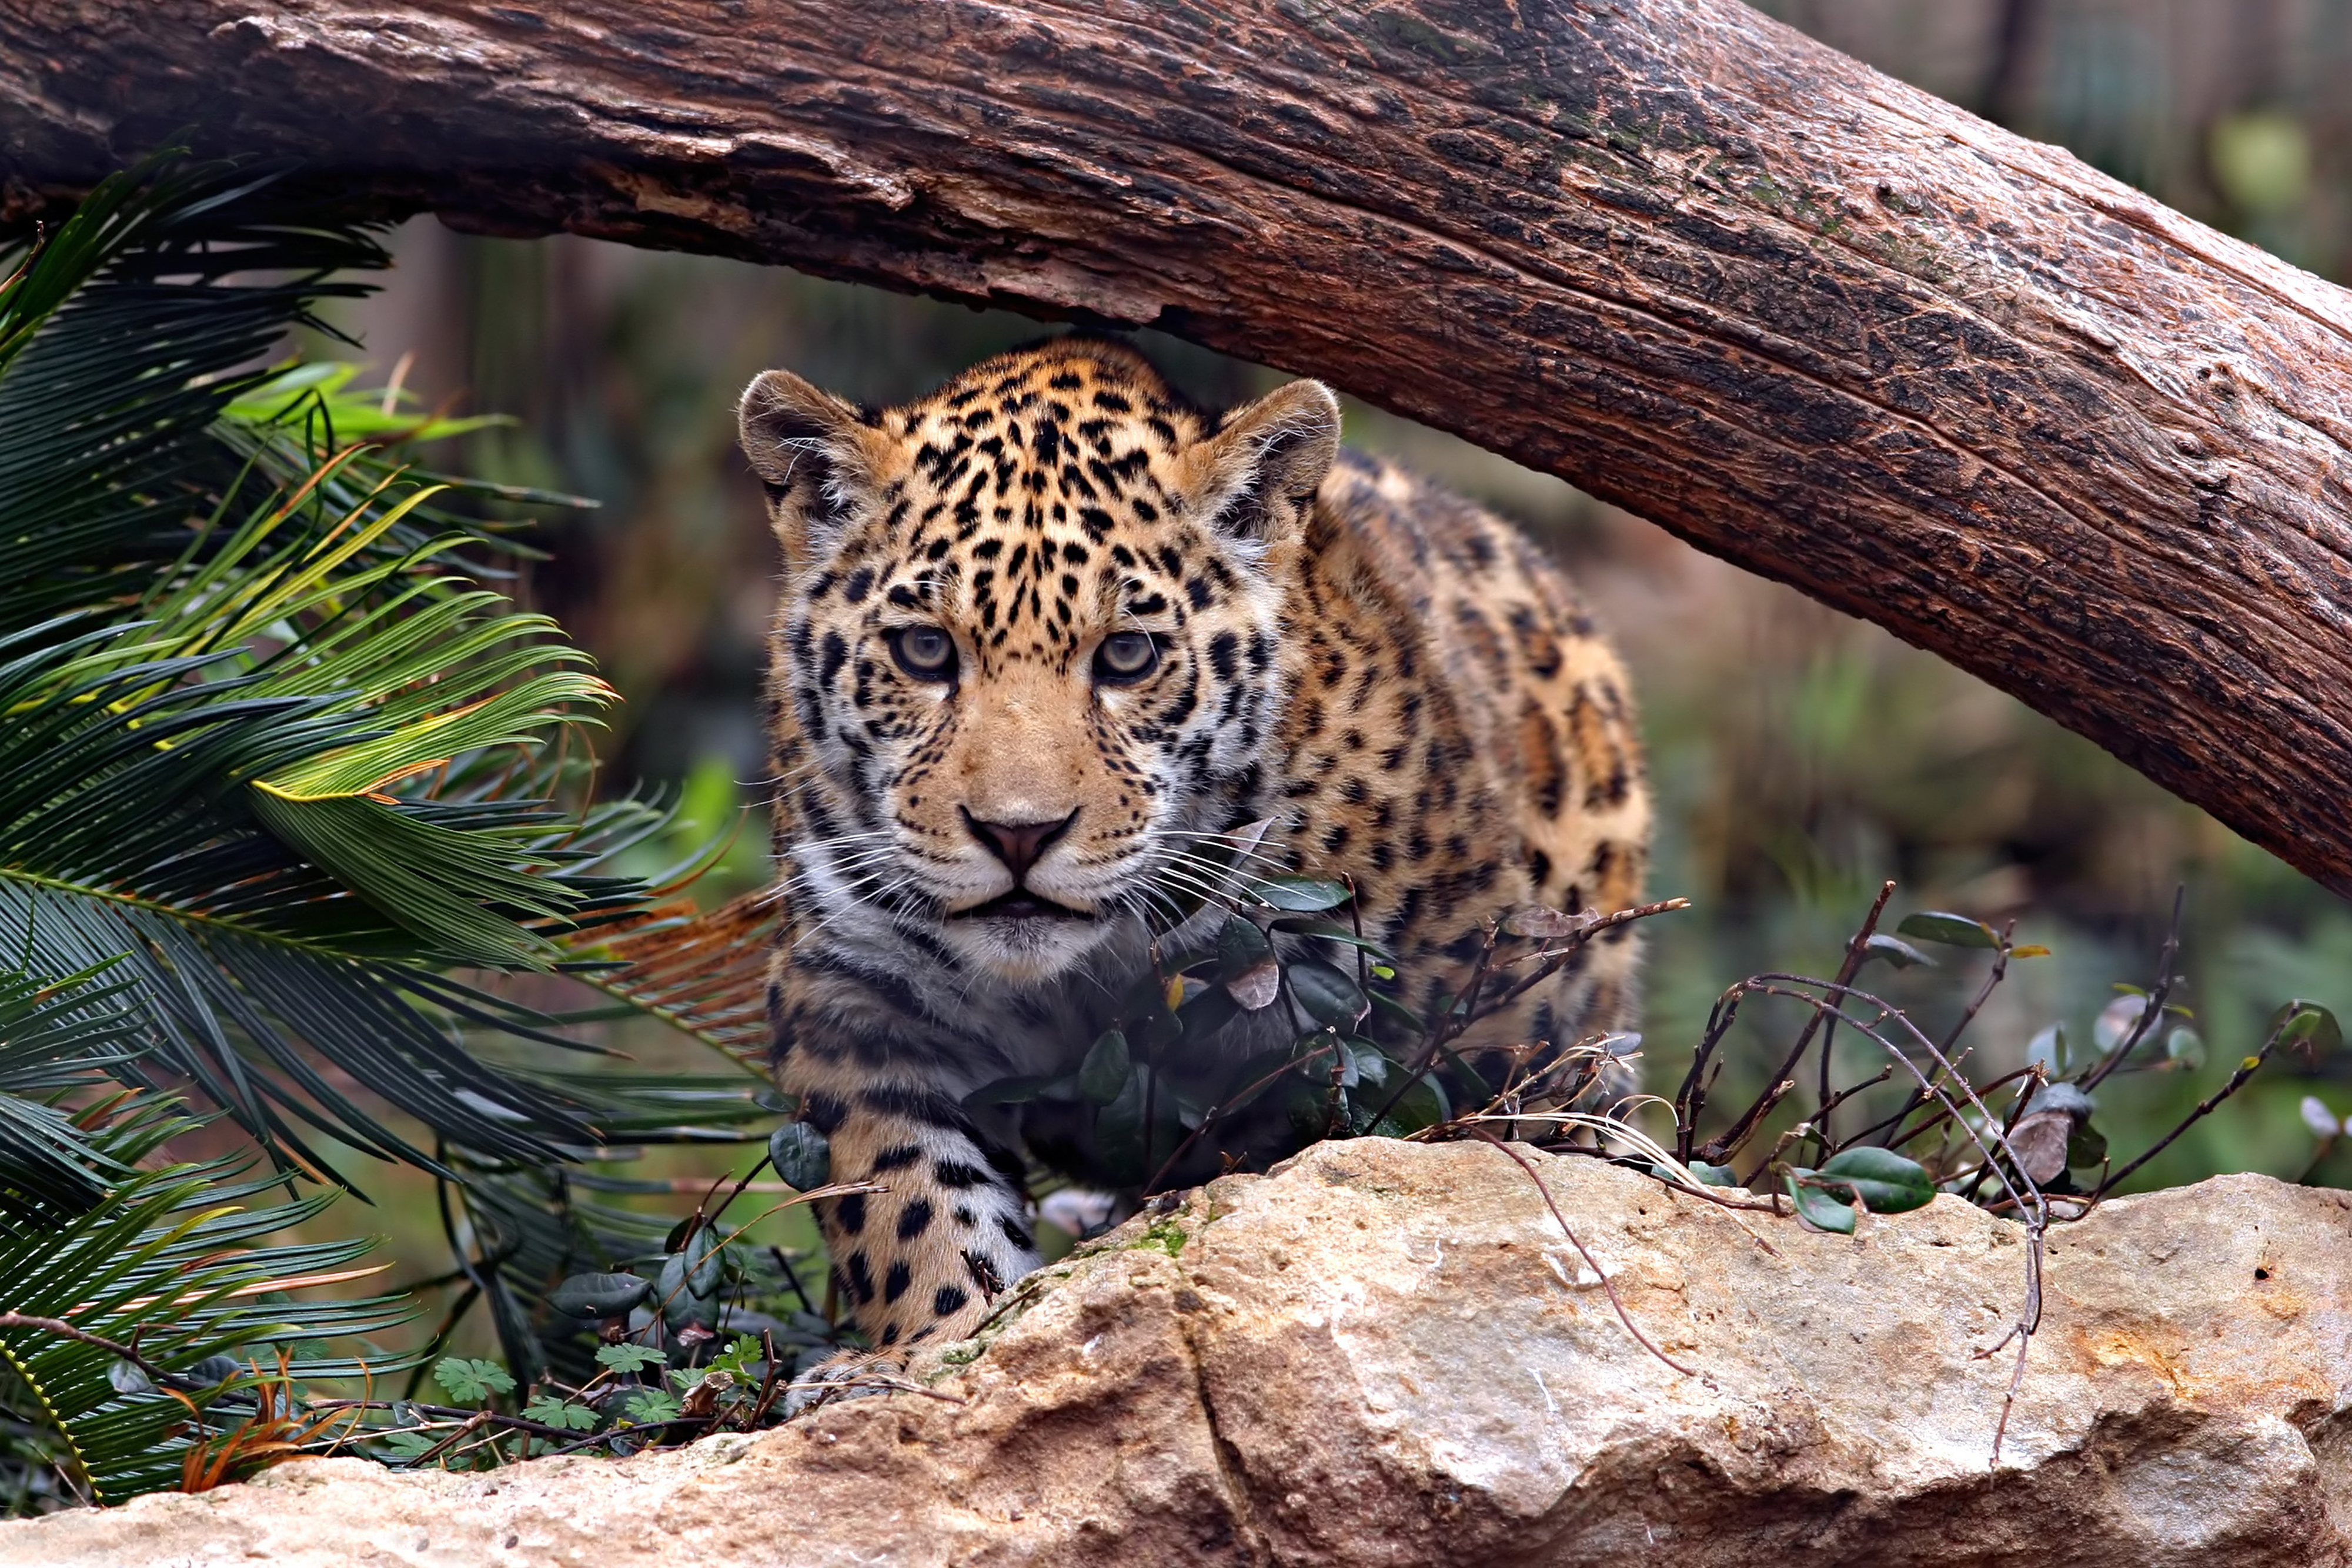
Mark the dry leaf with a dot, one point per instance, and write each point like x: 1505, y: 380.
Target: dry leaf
x: 2040, y: 1141
x: 1256, y: 986
x: 1548, y: 924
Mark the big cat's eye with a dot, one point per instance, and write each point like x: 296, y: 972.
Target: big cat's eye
x: 1126, y: 657
x: 926, y: 653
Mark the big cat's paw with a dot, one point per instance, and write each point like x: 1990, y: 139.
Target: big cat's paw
x: 854, y: 1374
x: 846, y: 1374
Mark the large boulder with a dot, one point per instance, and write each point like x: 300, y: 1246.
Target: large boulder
x: 1388, y: 1354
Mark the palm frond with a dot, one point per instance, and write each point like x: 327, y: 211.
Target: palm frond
x: 249, y: 675
x: 703, y: 973
x: 56, y: 1039
x: 275, y: 760
x: 173, y: 1268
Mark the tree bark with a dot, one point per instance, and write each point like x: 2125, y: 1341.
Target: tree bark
x: 1825, y: 326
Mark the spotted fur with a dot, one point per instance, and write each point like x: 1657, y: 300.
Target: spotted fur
x: 1401, y: 681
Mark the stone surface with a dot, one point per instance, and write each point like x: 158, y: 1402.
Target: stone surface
x: 1382, y: 1354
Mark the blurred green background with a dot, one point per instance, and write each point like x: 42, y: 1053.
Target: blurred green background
x: 1799, y: 756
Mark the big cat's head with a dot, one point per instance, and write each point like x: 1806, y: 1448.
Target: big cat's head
x: 1027, y: 628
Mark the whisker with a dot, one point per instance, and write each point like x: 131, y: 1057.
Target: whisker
x: 1209, y: 872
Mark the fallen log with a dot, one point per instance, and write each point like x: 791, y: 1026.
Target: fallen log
x: 1822, y: 325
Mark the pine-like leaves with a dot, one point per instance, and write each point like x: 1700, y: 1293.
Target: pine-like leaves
x: 266, y: 748
x: 273, y: 764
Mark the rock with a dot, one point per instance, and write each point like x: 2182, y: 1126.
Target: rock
x: 1387, y: 1354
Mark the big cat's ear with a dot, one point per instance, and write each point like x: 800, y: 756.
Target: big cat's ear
x: 813, y: 453
x: 1257, y: 474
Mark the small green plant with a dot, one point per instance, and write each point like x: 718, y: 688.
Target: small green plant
x: 1358, y: 1061
x: 2022, y: 1142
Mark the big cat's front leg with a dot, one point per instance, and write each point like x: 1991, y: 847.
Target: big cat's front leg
x: 920, y: 1263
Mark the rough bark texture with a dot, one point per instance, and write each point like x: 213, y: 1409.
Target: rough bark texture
x: 1387, y: 1355
x: 1827, y: 326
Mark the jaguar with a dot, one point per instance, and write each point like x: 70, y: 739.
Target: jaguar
x: 1057, y: 656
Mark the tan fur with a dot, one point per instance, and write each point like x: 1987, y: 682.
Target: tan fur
x: 1398, y: 679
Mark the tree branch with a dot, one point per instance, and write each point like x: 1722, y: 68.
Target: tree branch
x: 1825, y: 326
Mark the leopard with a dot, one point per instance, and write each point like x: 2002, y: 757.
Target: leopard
x: 1046, y: 637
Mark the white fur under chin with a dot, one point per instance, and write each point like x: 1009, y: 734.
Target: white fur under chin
x: 1025, y: 951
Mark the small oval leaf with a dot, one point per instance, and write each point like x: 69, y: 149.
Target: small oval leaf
x: 2117, y: 1019
x: 593, y: 1296
x: 1328, y: 996
x: 1885, y: 1181
x: 1016, y: 1091
x: 1298, y: 894
x: 1950, y: 930
x: 1895, y: 951
x: 1817, y: 1209
x: 2067, y: 1097
x: 2300, y: 1021
x: 2185, y: 1049
x: 1257, y: 986
x: 801, y: 1156
x: 1422, y: 1104
x: 1105, y: 1070
x: 2047, y: 1051
x: 2039, y: 1141
x: 1241, y: 947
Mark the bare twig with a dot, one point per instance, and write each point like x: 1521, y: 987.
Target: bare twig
x: 1555, y: 961
x: 2150, y: 1014
x: 2033, y: 1079
x: 1590, y: 1261
x: 770, y: 1385
x: 2237, y: 1081
x: 1851, y: 1090
x: 1856, y: 951
x: 1691, y: 1098
x: 1469, y: 1008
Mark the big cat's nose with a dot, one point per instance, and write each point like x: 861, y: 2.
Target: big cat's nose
x: 1018, y: 844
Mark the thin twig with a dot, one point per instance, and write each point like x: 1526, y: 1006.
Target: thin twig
x: 1582, y: 939
x: 162, y: 1376
x: 1469, y: 1008
x: 1590, y: 1261
x: 1855, y: 952
x: 2154, y: 1011
x: 1691, y: 1098
x: 2246, y: 1070
x: 2033, y: 1079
